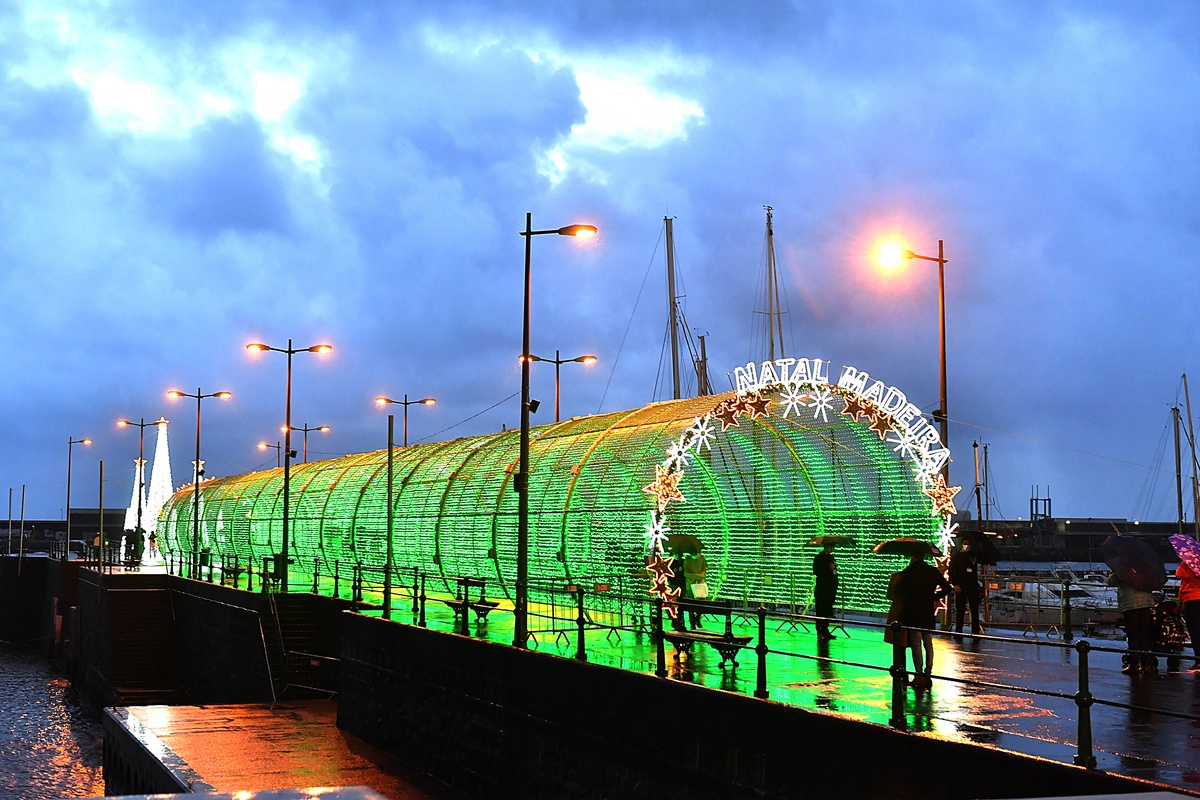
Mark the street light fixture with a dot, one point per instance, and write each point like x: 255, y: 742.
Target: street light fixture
x: 277, y: 447
x: 425, y: 401
x: 305, y: 430
x: 175, y: 394
x: 70, y: 443
x: 141, y: 474
x: 387, y: 568
x: 521, y: 480
x: 892, y: 254
x: 558, y: 362
x: 289, y: 351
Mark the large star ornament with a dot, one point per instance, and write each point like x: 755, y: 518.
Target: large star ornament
x: 943, y: 495
x: 665, y: 486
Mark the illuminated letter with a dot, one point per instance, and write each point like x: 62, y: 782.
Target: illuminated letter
x: 875, y: 393
x: 820, y: 371
x: 893, y: 401
x: 853, y: 380
x: 745, y: 378
x: 783, y: 364
x: 767, y: 375
x: 907, y: 416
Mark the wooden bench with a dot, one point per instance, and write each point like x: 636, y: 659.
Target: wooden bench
x: 725, y: 643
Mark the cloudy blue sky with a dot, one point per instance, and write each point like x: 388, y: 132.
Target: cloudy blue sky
x: 179, y: 179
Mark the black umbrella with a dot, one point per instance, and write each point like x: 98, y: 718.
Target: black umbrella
x: 1134, y: 562
x: 680, y: 543
x: 906, y: 546
x: 821, y: 541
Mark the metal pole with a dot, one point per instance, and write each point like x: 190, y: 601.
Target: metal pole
x: 672, y: 306
x: 141, y: 472
x: 405, y: 420
x: 70, y: 443
x: 194, y: 565
x: 520, y: 598
x: 102, y: 542
x: 1084, y: 700
x: 387, y: 569
x: 760, y: 690
x: 557, y: 368
x: 287, y: 469
x: 1178, y: 470
x: 943, y: 412
x: 898, y: 721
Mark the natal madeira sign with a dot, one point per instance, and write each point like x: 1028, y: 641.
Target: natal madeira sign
x: 796, y: 386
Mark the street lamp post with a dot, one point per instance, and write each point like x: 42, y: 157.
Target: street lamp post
x: 71, y: 442
x: 277, y: 447
x: 521, y: 480
x: 141, y: 475
x: 891, y: 255
x: 426, y: 401
x: 175, y: 394
x: 387, y: 567
x: 558, y: 362
x: 305, y: 430
x: 289, y: 351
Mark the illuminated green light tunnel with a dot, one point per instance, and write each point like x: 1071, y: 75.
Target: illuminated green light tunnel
x: 754, y: 498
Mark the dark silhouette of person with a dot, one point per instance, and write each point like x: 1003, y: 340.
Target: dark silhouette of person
x: 964, y: 575
x: 825, y: 589
x: 919, y: 586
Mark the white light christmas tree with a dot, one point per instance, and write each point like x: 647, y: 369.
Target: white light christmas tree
x: 139, y: 482
x: 161, y: 485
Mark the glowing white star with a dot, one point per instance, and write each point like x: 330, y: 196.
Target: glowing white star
x: 946, y: 533
x: 677, y: 455
x: 701, y: 434
x: 793, y: 399
x: 657, y: 532
x: 903, y: 443
x: 822, y: 404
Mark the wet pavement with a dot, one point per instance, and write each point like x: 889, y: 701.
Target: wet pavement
x: 1011, y: 691
x: 1005, y: 690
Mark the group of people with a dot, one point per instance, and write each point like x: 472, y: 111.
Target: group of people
x: 914, y: 593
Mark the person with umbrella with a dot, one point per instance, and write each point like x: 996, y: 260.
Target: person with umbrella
x: 825, y: 585
x: 1188, y: 573
x: 964, y: 575
x: 1136, y: 572
x: 918, y: 587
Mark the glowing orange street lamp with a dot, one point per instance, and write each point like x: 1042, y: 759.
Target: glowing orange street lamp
x: 194, y: 561
x: 558, y: 362
x: 277, y: 447
x: 289, y: 351
x: 521, y: 479
x: 892, y: 255
x: 305, y: 430
x: 70, y: 442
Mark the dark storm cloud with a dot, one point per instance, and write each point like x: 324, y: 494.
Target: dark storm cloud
x: 227, y: 180
x: 1050, y: 147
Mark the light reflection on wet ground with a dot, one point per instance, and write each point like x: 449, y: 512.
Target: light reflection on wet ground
x: 50, y: 745
x: 1134, y: 743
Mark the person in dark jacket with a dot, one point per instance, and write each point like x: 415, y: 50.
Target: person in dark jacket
x: 964, y: 575
x: 919, y: 586
x: 825, y: 589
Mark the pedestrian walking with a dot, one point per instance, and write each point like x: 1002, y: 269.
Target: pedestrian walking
x: 825, y: 588
x: 1137, y: 607
x: 964, y: 576
x: 918, y: 587
x: 1189, y: 597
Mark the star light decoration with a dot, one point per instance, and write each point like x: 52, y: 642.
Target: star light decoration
x: 794, y: 395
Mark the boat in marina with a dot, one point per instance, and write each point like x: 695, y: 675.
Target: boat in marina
x: 1040, y: 596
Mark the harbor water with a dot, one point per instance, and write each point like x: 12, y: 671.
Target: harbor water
x: 51, y: 743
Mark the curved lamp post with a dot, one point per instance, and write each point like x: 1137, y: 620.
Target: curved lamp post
x: 175, y: 394
x: 70, y: 442
x: 558, y: 362
x: 305, y: 430
x: 521, y: 480
x: 141, y: 473
x: 387, y: 568
x: 277, y: 447
x: 289, y: 351
x: 891, y: 255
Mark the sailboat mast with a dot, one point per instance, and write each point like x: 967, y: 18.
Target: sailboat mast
x: 702, y: 387
x: 1192, y: 438
x: 672, y: 305
x: 1178, y: 469
x: 774, y: 309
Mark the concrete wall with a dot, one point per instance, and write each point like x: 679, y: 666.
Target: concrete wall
x: 505, y: 723
x: 22, y: 582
